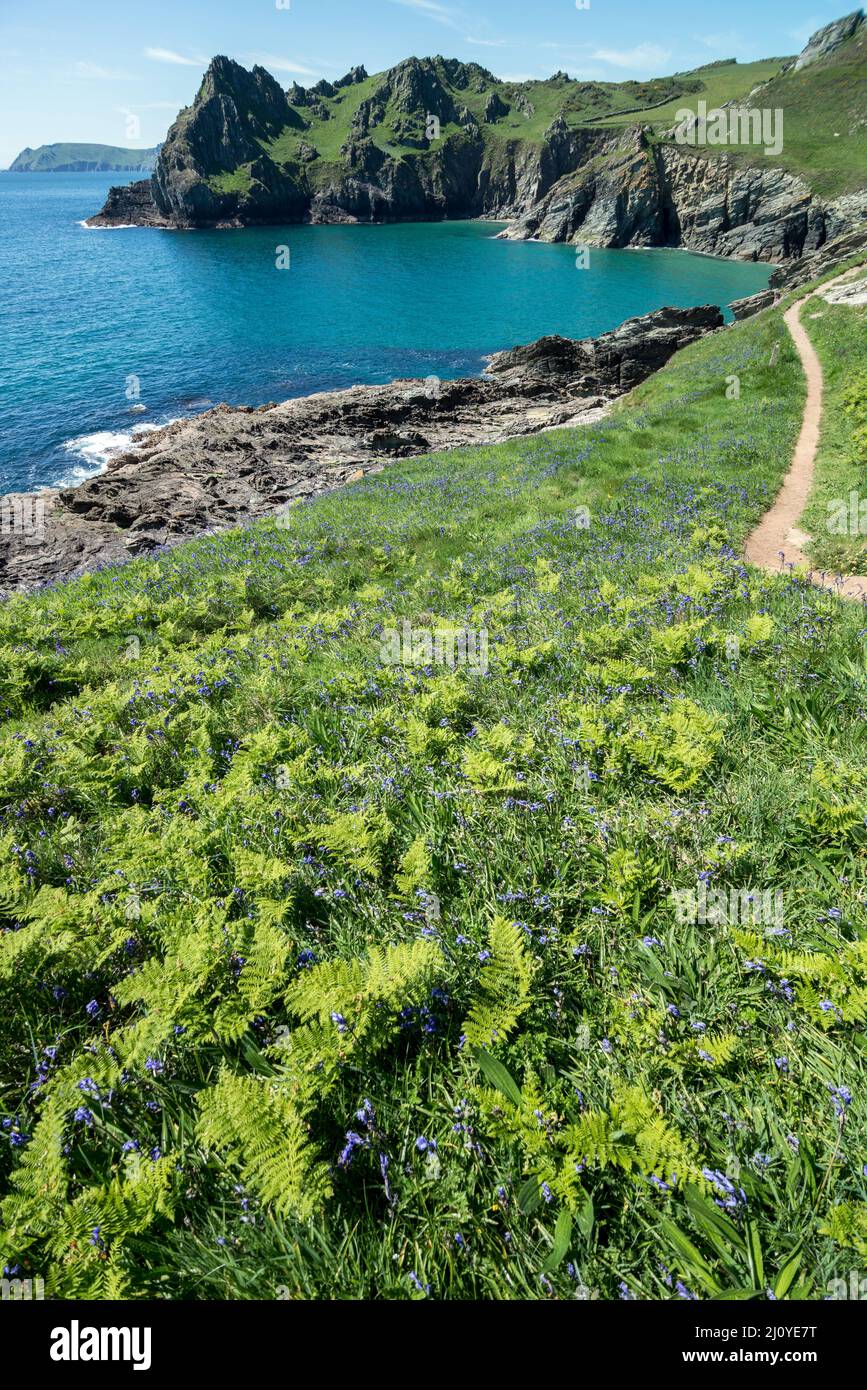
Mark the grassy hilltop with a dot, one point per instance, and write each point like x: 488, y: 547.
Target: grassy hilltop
x: 347, y: 978
x: 65, y: 158
x: 824, y: 105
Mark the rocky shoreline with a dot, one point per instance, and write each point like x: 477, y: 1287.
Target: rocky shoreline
x: 796, y: 273
x: 232, y: 465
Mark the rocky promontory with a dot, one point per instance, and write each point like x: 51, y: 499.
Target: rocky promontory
x: 796, y: 273
x: 233, y: 464
x: 436, y: 138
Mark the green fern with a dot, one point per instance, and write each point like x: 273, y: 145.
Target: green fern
x: 268, y: 1138
x: 504, y: 987
x: 347, y: 1005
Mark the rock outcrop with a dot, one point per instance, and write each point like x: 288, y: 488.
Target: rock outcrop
x: 231, y: 465
x: 646, y: 194
x: 810, y: 267
x: 130, y: 206
x: 825, y: 41
x: 819, y: 262
x: 434, y: 138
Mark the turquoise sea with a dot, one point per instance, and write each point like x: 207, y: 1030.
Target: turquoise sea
x: 88, y: 317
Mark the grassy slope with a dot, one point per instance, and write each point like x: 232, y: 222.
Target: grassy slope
x: 181, y: 829
x: 578, y: 102
x: 824, y: 119
x: 729, y: 82
x: 839, y: 335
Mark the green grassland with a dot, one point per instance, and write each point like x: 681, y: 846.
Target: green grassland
x: 839, y: 334
x: 715, y: 85
x: 824, y: 110
x: 347, y: 978
x: 543, y: 101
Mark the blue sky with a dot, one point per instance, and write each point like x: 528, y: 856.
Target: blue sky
x: 79, y: 71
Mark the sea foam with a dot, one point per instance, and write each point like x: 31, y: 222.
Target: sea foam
x: 92, y: 452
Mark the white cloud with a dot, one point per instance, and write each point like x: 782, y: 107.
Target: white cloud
x: 441, y: 14
x: 167, y: 55
x: 105, y: 74
x: 486, y: 43
x: 274, y: 63
x: 644, y: 55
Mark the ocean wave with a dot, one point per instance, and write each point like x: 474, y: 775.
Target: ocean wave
x: 92, y: 452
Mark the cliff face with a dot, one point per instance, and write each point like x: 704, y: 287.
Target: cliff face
x: 646, y: 194
x: 238, y: 155
x: 434, y: 138
x: 825, y: 41
x: 234, y: 115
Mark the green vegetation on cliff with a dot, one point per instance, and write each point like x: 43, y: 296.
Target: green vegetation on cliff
x: 68, y: 158
x: 824, y: 115
x: 560, y: 158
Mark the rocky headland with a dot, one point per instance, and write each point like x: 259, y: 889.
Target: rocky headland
x: 232, y: 464
x: 436, y: 138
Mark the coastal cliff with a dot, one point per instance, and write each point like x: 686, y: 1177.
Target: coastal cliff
x: 650, y: 194
x: 560, y: 160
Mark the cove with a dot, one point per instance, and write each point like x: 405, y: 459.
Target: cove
x: 197, y: 318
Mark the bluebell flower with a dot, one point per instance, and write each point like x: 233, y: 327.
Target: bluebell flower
x: 353, y: 1141
x: 842, y: 1099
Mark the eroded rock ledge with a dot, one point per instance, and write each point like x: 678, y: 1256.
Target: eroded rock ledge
x: 232, y: 465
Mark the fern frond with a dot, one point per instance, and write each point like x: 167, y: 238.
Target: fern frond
x: 504, y: 987
x: 268, y: 1138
